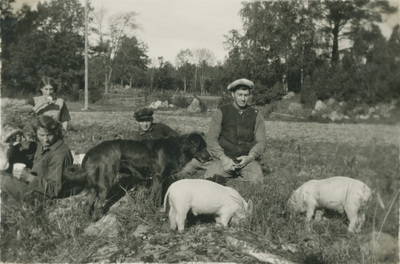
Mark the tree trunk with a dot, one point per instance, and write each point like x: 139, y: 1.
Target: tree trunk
x: 105, y: 84
x: 184, y: 84
x: 335, y: 45
x: 195, y: 79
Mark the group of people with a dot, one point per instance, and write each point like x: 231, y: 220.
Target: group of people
x: 236, y: 140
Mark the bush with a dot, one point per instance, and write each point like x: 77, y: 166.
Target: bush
x: 308, y: 96
x: 181, y: 101
x: 203, y: 105
x: 96, y: 93
x: 225, y: 99
x: 265, y: 95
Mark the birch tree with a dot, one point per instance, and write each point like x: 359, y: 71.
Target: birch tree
x: 204, y: 60
x: 109, y: 43
x: 183, y: 63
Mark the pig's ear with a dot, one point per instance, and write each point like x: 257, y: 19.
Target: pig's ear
x: 249, y: 207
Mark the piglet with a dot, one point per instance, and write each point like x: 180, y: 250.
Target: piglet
x: 204, y: 197
x: 340, y: 194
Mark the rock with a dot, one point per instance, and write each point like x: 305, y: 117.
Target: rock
x: 331, y: 101
x: 251, y: 250
x: 107, y: 226
x: 334, y: 116
x: 194, y: 106
x: 380, y: 247
x: 156, y: 105
x: 141, y: 231
x: 288, y: 96
x: 303, y: 174
x: 319, y: 105
x: 104, y: 254
x: 165, y: 104
x: 294, y: 107
x: 362, y: 117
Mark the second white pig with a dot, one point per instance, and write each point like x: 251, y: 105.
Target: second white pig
x: 204, y: 197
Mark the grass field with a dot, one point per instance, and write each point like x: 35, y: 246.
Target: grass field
x: 296, y: 153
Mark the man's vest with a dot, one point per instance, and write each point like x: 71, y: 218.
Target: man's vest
x: 53, y: 110
x: 237, y: 130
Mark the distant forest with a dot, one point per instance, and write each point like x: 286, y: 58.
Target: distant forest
x: 283, y: 46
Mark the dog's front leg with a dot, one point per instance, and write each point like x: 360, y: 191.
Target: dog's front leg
x: 88, y: 207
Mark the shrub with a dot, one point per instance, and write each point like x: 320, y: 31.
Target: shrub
x: 265, y: 95
x: 203, y: 105
x: 181, y: 101
x: 308, y: 96
x: 225, y: 99
x: 96, y: 93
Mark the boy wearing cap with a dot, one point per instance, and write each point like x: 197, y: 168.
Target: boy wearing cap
x: 237, y: 137
x: 148, y: 129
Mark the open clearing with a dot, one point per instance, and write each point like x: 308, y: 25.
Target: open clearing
x: 303, y: 132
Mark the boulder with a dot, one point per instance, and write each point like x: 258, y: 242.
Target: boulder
x: 107, y: 226
x: 380, y: 247
x: 334, y: 116
x: 165, y: 104
x: 194, y: 106
x: 331, y: 101
x: 156, y: 104
x: 319, y: 105
x: 295, y: 107
x: 141, y: 231
x: 288, y: 96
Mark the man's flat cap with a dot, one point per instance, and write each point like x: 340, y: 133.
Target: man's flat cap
x: 241, y: 82
x: 143, y: 114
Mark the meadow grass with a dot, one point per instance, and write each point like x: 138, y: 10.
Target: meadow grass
x: 53, y: 231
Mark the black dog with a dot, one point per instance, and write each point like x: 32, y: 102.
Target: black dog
x: 144, y: 160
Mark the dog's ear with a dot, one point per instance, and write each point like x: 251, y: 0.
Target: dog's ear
x: 195, y: 139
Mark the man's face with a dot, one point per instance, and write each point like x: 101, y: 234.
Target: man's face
x: 47, y: 91
x: 241, y: 97
x: 45, y: 137
x: 145, y: 125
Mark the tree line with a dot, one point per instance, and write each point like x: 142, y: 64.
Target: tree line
x: 319, y: 49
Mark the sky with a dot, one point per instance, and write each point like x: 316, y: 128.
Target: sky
x: 168, y: 26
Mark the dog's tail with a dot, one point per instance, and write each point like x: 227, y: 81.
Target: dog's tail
x: 165, y: 201
x: 75, y: 174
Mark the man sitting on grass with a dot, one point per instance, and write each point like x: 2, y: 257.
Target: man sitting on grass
x: 237, y: 138
x: 148, y: 129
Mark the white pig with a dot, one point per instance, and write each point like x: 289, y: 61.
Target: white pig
x: 204, y: 197
x: 340, y: 194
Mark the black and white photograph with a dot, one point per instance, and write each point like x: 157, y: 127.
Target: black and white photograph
x: 200, y: 131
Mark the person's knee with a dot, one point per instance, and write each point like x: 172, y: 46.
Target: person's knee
x: 253, y: 174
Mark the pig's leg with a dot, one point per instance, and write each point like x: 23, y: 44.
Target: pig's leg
x: 224, y: 216
x: 172, y: 217
x: 361, y: 220
x: 352, y: 215
x: 181, y: 214
x: 310, y: 212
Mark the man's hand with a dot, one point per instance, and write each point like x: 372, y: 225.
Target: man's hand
x: 24, y: 175
x: 227, y: 163
x: 244, y: 160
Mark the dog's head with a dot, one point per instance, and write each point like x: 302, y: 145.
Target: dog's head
x: 198, y: 147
